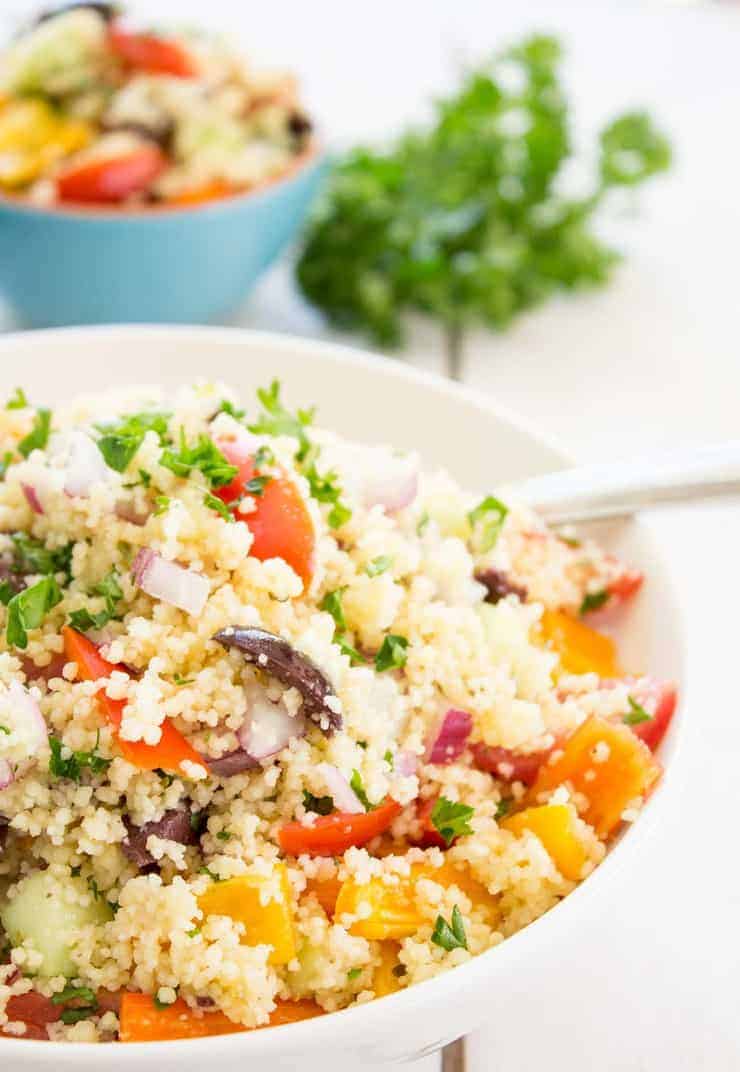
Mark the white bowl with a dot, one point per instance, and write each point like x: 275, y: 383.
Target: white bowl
x: 368, y: 398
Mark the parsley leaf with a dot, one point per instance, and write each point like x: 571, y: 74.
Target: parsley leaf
x: 17, y: 400
x: 593, y: 600
x: 378, y: 565
x: 358, y: 789
x: 211, y: 874
x: 214, y: 503
x: 319, y: 805
x: 110, y: 590
x: 487, y: 520
x: 231, y: 409
x: 464, y: 220
x: 257, y: 485
x: 72, y: 766
x: 32, y: 556
x: 636, y: 714
x: 204, y: 456
x: 120, y: 442
x: 38, y: 437
x: 332, y: 603
x: 451, y: 819
x: 392, y: 654
x: 27, y: 610
x: 5, y: 729
x: 74, y: 1015
x: 84, y: 993
x: 161, y: 505
x: 503, y: 808
x: 7, y: 459
x: 353, y: 973
x: 224, y: 835
x: 180, y: 680
x: 448, y: 936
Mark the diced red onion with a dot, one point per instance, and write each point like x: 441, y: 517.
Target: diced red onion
x: 6, y: 774
x: 269, y: 727
x: 25, y: 704
x: 406, y: 763
x: 85, y: 466
x: 173, y: 584
x: 451, y: 737
x: 32, y: 498
x: 393, y: 484
x: 340, y: 790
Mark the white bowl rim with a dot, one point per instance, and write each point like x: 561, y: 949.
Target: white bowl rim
x: 340, y: 1028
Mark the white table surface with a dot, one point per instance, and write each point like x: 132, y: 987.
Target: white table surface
x: 651, y: 361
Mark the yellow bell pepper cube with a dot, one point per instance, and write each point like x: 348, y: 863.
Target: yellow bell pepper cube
x: 554, y: 825
x: 385, y: 981
x: 393, y: 912
x: 607, y: 764
x: 268, y: 923
x: 33, y: 137
x: 582, y: 650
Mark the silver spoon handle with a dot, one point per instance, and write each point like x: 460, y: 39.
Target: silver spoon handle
x: 619, y: 489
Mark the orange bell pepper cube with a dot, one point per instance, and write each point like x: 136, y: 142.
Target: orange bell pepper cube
x: 607, y: 764
x: 142, y: 1021
x: 555, y: 826
x: 280, y: 523
x: 582, y: 650
x: 331, y: 835
x: 325, y: 891
x: 171, y: 749
x: 270, y: 923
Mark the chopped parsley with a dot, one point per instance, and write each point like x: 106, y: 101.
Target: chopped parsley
x: 257, y: 485
x: 7, y: 591
x: 278, y: 421
x: 70, y: 993
x: 120, y: 442
x: 161, y: 505
x: 17, y: 400
x: 636, y: 713
x: 71, y: 766
x: 503, y: 808
x: 224, y: 835
x: 231, y: 409
x: 5, y: 729
x: 92, y: 885
x: 28, y: 608
x: 378, y: 565
x: 593, y: 601
x: 422, y: 524
x: 451, y: 820
x: 388, y: 757
x: 110, y: 590
x: 7, y: 459
x: 353, y: 973
x: 358, y: 789
x: 38, y: 437
x: 74, y: 1015
x: 144, y: 480
x: 450, y: 935
x: 332, y: 604
x: 198, y: 820
x: 180, y: 680
x: 204, y: 457
x: 487, y: 520
x: 318, y: 805
x: 193, y: 933
x: 263, y: 457
x: 392, y: 654
x: 32, y: 556
x: 214, y: 503
x: 211, y: 874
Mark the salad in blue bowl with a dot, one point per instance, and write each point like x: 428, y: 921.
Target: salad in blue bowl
x: 143, y: 176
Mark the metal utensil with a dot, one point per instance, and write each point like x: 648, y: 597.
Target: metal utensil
x: 620, y: 489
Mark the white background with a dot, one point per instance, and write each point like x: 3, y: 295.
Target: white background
x: 651, y: 361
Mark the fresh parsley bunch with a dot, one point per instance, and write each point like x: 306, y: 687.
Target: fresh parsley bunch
x: 464, y: 221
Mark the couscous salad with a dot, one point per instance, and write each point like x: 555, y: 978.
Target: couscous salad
x: 286, y: 724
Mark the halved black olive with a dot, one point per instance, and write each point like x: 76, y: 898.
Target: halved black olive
x: 232, y: 763
x: 294, y: 669
x: 175, y: 825
x: 498, y: 585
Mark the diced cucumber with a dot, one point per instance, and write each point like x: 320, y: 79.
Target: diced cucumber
x: 48, y: 912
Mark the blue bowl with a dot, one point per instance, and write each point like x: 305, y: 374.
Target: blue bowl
x: 79, y: 265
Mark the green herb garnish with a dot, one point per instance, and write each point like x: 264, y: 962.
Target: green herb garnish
x: 119, y: 442
x: 5, y: 729
x: 636, y: 713
x: 392, y: 654
x: 378, y: 565
x: 111, y: 592
x: 38, y: 437
x: 161, y: 505
x: 257, y: 485
x: 464, y: 220
x: 452, y: 820
x: 388, y: 757
x: 211, y: 874
x: 319, y: 805
x: 180, y: 680
x: 224, y: 835
x: 214, y: 503
x: 353, y: 973
x: 5, y: 461
x: 204, y: 457
x: 503, y: 808
x: 487, y: 520
x: 332, y: 604
x: 28, y: 608
x: 232, y: 410
x: 450, y: 935
x: 593, y: 601
x: 358, y: 789
x: 17, y: 400
x: 72, y: 766
x: 32, y: 556
x: 74, y: 1015
x: 192, y: 933
x: 70, y: 993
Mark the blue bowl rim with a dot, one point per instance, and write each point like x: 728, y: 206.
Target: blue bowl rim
x: 311, y: 158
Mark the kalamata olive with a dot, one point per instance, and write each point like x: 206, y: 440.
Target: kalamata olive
x: 232, y: 763
x: 175, y: 825
x: 106, y: 11
x: 300, y: 126
x: 498, y: 585
x: 292, y: 668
